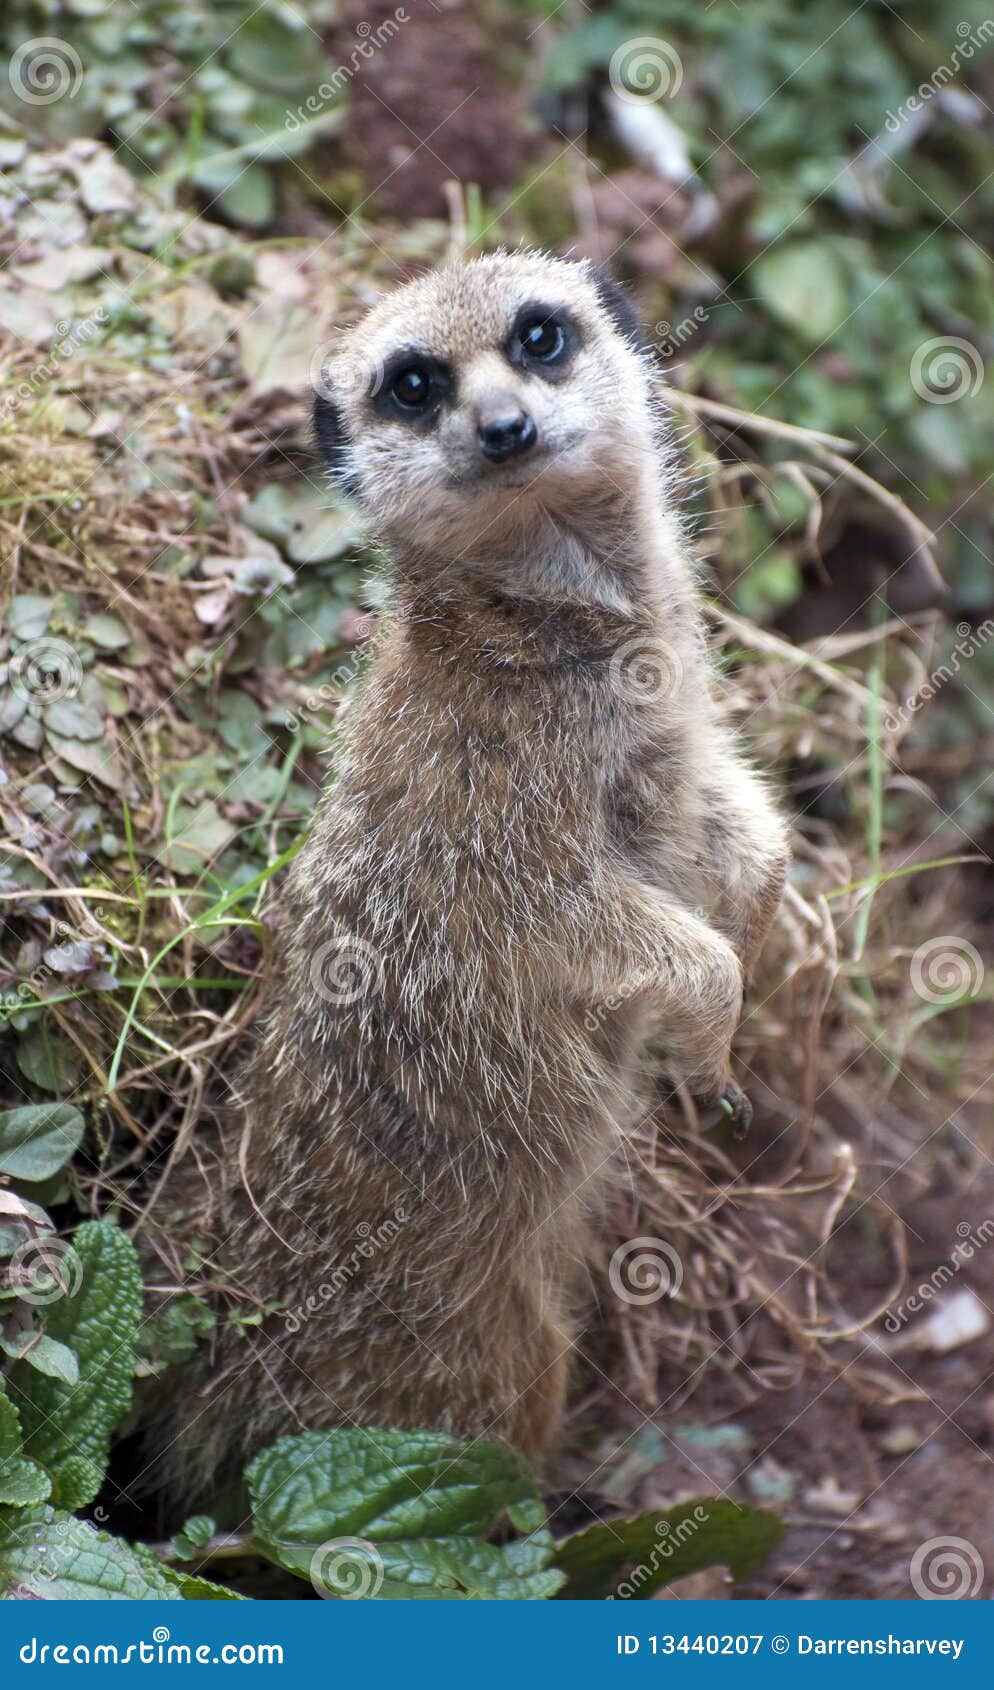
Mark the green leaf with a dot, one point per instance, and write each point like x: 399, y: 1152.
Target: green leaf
x: 27, y: 616
x: 47, y: 1355
x: 272, y: 52
x: 73, y: 719
x: 302, y: 521
x: 193, y: 1539
x: 37, y: 1140
x: 197, y: 833
x: 658, y: 1548
x: 48, y: 1060
x: 249, y: 199
x: 192, y: 1588
x: 47, y: 1555
x: 22, y: 1481
x: 401, y: 1514
x: 90, y: 757
x: 77, y: 1482
x: 805, y: 284
x: 106, y: 631
x: 276, y: 344
x: 172, y: 1333
x: 99, y: 1322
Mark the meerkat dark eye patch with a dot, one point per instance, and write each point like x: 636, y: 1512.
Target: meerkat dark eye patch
x: 333, y: 441
x: 616, y: 305
x: 412, y: 387
x: 542, y: 340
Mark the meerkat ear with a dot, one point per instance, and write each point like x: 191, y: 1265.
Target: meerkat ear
x: 616, y: 304
x: 333, y: 441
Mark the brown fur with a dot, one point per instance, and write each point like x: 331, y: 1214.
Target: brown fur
x: 541, y: 857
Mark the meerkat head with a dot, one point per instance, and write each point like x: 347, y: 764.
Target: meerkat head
x: 489, y: 395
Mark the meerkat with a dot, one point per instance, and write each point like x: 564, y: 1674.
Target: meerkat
x: 542, y: 870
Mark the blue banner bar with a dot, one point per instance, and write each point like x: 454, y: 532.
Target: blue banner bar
x: 499, y: 1645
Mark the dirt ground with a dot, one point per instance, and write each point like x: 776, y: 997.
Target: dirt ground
x: 860, y: 1484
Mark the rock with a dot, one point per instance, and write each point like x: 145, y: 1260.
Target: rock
x: 957, y: 1321
x: 900, y: 1440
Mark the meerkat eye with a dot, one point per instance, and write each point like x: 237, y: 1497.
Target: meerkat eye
x: 542, y: 338
x: 412, y: 386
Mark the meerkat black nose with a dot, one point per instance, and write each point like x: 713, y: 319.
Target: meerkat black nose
x: 506, y: 435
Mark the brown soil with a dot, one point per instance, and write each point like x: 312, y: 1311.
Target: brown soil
x: 430, y: 106
x: 860, y: 1484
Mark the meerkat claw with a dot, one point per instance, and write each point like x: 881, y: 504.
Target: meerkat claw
x: 736, y: 1105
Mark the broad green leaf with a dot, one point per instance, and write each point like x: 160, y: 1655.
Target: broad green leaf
x: 654, y: 1549
x: 98, y: 1322
x: 462, y: 1568
x: 804, y: 283
x: 43, y: 1353
x: 38, y: 1139
x: 47, y: 1554
x: 401, y: 1514
x: 272, y: 52
x: 22, y: 1481
x: 387, y: 1485
x: 190, y: 1586
x: 276, y: 344
x: 249, y: 197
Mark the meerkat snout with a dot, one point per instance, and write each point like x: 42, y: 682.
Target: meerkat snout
x: 504, y: 429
